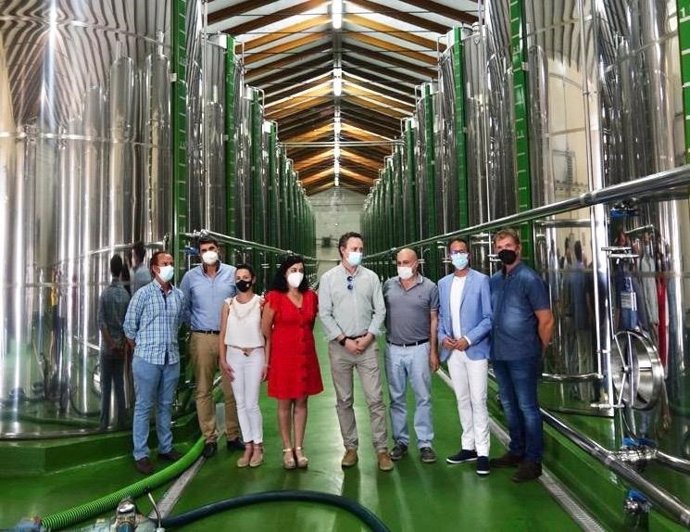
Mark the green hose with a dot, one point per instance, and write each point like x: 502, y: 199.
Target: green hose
x: 92, y: 509
x: 368, y: 517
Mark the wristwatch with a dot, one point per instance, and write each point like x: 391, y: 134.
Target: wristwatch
x: 342, y: 342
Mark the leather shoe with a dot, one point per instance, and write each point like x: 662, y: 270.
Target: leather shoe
x: 527, y: 470
x: 385, y: 462
x: 209, y: 449
x: 171, y: 456
x: 235, y: 445
x: 144, y: 466
x: 350, y: 458
x: 507, y: 460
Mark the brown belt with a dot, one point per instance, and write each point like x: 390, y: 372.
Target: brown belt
x: 246, y: 351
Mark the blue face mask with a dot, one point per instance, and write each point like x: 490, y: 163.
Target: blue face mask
x: 354, y: 258
x: 460, y: 260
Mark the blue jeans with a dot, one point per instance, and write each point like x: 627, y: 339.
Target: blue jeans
x: 403, y: 363
x: 112, y: 374
x: 517, y: 381
x: 154, y: 385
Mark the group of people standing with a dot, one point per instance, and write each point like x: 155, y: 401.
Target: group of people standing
x: 471, y: 318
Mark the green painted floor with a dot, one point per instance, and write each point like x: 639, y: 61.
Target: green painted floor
x: 413, y: 497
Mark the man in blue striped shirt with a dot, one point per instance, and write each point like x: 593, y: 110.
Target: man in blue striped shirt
x: 151, y: 326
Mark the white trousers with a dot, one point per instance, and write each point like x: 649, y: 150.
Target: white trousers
x: 247, y: 372
x: 469, y: 383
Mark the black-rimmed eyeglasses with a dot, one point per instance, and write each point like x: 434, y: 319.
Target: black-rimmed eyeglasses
x: 350, y: 282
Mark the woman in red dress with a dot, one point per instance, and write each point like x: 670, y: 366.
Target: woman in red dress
x: 293, y: 368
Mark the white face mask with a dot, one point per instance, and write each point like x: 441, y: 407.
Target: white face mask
x: 405, y: 272
x: 166, y: 273
x: 354, y: 258
x: 210, y: 257
x: 294, y: 279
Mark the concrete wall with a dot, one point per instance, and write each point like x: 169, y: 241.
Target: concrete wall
x: 337, y: 211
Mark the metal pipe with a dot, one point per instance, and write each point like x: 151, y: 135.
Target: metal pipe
x: 664, y: 500
x: 240, y: 242
x: 640, y: 188
x: 584, y: 377
x: 679, y: 464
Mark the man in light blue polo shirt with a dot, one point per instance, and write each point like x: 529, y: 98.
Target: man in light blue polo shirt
x: 205, y: 287
x: 522, y: 328
x: 411, y: 352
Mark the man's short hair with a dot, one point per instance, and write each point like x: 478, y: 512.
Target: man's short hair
x: 507, y: 232
x: 458, y: 239
x: 207, y: 239
x: 154, y: 258
x: 342, y: 242
x: 116, y: 265
x: 139, y: 250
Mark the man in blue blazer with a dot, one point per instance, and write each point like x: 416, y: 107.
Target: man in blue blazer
x: 464, y: 325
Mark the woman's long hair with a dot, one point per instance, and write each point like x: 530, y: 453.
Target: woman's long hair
x: 280, y: 281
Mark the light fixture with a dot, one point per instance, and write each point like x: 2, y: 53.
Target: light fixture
x: 337, y: 126
x: 336, y: 150
x: 337, y: 14
x: 336, y: 166
x: 337, y: 82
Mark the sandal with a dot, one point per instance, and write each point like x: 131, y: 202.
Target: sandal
x: 288, y: 459
x: 302, y: 461
x: 257, y: 456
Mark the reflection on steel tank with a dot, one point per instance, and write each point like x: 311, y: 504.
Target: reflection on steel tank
x: 84, y: 172
x: 605, y: 108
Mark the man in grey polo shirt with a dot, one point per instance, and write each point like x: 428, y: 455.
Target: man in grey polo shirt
x: 352, y: 311
x: 411, y: 352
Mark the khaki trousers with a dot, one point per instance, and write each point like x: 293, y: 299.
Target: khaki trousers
x: 367, y: 365
x: 203, y: 349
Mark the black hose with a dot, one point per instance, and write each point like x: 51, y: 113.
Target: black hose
x: 364, y: 514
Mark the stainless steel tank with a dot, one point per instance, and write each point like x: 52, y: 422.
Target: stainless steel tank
x: 606, y: 107
x: 84, y: 172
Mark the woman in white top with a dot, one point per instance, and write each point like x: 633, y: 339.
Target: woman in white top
x: 242, y: 358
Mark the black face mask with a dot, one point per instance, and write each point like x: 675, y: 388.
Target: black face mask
x: 507, y: 256
x: 243, y: 285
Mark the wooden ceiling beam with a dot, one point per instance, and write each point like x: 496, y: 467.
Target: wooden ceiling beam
x: 362, y: 134
x: 308, y: 178
x: 379, y: 84
x: 425, y: 73
x: 406, y: 99
x: 277, y: 114
x: 395, y: 113
x: 301, y: 84
x: 276, y: 16
x: 314, y: 159
x: 237, y: 9
x: 367, y: 177
x: 349, y: 60
x: 394, y: 48
x: 440, y: 9
x: 255, y: 57
x: 285, y: 32
x: 386, y: 129
x: 401, y: 15
x: 315, y: 135
x: 304, y: 122
x: 307, y: 70
x: 322, y: 88
x: 378, y: 151
x: 353, y: 88
x: 413, y: 38
x: 373, y: 164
